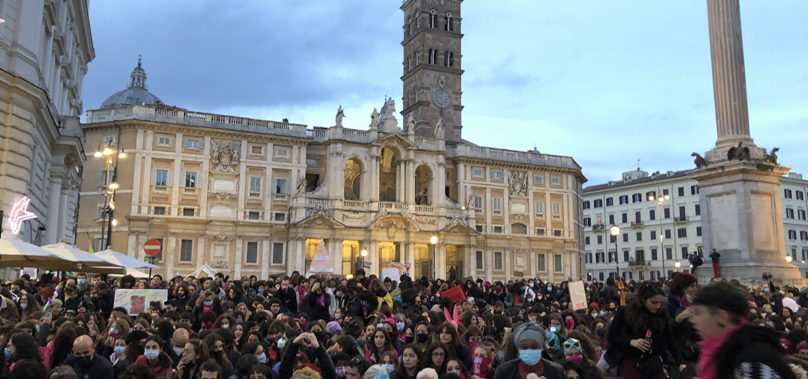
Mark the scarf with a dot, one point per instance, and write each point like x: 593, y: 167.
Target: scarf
x: 684, y: 302
x: 706, y: 366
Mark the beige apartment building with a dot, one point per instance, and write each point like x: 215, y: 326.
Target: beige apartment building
x: 249, y: 196
x: 45, y: 47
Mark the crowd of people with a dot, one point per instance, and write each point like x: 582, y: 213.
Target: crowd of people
x: 364, y: 327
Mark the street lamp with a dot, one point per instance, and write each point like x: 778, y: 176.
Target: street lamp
x: 660, y: 200
x: 789, y: 258
x: 677, y: 265
x: 363, y: 253
x: 615, y: 230
x: 111, y: 157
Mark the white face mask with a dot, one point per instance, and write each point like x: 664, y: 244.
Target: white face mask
x: 178, y: 350
x: 23, y: 305
x: 281, y: 343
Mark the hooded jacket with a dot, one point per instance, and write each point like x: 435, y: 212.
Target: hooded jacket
x: 752, y: 352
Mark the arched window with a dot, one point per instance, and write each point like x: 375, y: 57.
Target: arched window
x: 431, y: 57
x: 433, y: 20
x: 448, y: 23
x: 353, y: 179
x: 423, y: 181
x: 451, y: 59
x: 445, y: 58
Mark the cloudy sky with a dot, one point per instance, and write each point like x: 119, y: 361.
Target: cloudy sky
x: 606, y: 82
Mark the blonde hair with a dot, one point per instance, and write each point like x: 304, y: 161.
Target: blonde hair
x: 306, y: 373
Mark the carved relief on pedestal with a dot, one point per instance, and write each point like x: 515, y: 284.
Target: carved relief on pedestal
x: 517, y: 183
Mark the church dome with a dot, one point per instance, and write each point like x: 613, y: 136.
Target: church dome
x: 135, y: 94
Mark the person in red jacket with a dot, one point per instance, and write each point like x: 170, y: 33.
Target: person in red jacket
x: 154, y: 358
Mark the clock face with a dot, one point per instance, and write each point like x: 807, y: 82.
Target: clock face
x: 441, y: 98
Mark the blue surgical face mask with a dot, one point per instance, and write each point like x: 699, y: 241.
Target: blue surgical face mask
x: 151, y: 354
x: 400, y: 325
x: 81, y: 282
x: 208, y: 303
x: 530, y: 357
x: 119, y: 349
x: 388, y: 367
x: 8, y: 353
x: 554, y: 329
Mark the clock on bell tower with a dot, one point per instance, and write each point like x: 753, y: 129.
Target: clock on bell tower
x: 432, y: 70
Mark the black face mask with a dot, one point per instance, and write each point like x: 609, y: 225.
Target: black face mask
x: 84, y: 361
x: 422, y: 337
x: 409, y: 339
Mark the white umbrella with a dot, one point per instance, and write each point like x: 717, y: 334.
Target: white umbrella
x: 18, y: 253
x: 86, y: 262
x: 123, y: 260
x: 135, y: 273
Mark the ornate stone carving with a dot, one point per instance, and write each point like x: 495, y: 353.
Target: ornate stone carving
x: 518, y: 183
x: 739, y: 152
x: 226, y: 156
x: 221, y: 237
x: 772, y: 156
x: 699, y: 161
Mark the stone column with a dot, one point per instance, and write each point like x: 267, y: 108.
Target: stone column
x: 729, y: 80
x: 54, y: 197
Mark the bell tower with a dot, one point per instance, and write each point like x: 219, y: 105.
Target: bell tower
x: 432, y: 69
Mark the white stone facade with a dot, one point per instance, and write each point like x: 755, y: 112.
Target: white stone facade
x: 679, y: 219
x: 45, y: 47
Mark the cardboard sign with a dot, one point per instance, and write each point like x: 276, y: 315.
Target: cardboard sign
x: 321, y: 264
x: 393, y: 273
x: 577, y: 294
x: 455, y: 293
x: 138, y: 301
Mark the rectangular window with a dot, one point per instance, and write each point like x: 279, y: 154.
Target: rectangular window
x: 609, y: 201
x: 625, y: 255
x: 277, y: 253
x: 252, y: 253
x: 586, y: 240
x: 556, y: 209
x: 279, y: 217
x: 637, y: 217
x: 280, y: 186
x: 479, y: 258
x: 625, y: 237
x: 789, y: 213
x: 639, y: 236
x: 163, y: 141
x: 256, y: 149
x: 557, y: 232
x: 598, y: 203
x: 497, y: 229
x: 611, y: 219
x: 497, y: 174
x: 542, y: 263
x: 600, y: 240
x: 587, y: 221
x: 792, y: 234
x: 160, y: 177
x: 653, y: 235
x: 190, y: 179
x: 799, y: 195
x: 539, y: 231
x: 681, y: 191
x: 698, y: 210
x: 186, y: 250
x: 636, y: 198
x: 159, y: 211
x: 667, y: 233
x: 624, y: 217
x: 557, y: 266
x: 652, y: 214
x: 667, y: 213
x: 801, y: 214
x: 555, y: 180
x: 498, y: 261
x: 281, y: 152
x: 188, y: 212
x: 684, y: 252
x: 539, y: 208
x: 477, y: 172
x: 538, y: 179
x: 623, y: 199
x: 497, y: 204
x: 253, y: 215
x: 586, y: 204
x: 191, y: 143
x: 694, y: 190
x: 668, y: 253
x: 654, y: 254
x: 698, y: 231
x: 787, y: 193
x: 682, y: 214
x: 255, y: 186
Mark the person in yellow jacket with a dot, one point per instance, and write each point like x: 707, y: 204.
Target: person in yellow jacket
x: 382, y: 296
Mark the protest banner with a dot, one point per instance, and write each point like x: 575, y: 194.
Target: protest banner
x: 577, y: 294
x: 137, y: 301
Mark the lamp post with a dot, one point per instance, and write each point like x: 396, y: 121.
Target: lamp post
x: 110, y: 185
x: 615, y: 230
x: 363, y: 253
x: 660, y: 200
x: 433, y: 240
x: 677, y: 265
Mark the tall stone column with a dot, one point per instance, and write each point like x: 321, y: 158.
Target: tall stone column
x: 739, y: 188
x: 729, y: 78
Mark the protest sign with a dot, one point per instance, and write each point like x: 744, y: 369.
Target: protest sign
x: 138, y: 301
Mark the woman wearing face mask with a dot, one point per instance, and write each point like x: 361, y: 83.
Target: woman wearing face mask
x: 225, y: 321
x: 154, y: 358
x: 20, y: 346
x: 194, y: 354
x: 640, y: 337
x: 455, y: 366
x: 258, y: 350
x: 27, y: 305
x: 207, y: 302
x: 528, y: 339
x: 574, y: 352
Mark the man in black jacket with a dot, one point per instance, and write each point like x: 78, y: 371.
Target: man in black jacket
x: 86, y: 362
x: 288, y: 297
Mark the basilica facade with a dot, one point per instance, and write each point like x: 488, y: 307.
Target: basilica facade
x: 248, y: 196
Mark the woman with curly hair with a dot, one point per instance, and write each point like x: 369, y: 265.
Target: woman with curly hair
x: 377, y: 346
x: 640, y: 337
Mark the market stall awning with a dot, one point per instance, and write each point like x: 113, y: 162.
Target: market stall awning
x: 123, y: 260
x: 85, y: 262
x: 18, y: 253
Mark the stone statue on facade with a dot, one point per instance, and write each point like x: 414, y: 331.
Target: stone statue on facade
x: 411, y: 124
x: 699, y: 161
x: 374, y: 119
x: 738, y: 152
x: 340, y: 115
x: 440, y: 133
x: 226, y: 155
x: 772, y: 156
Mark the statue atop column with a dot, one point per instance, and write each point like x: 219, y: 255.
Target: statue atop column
x: 340, y: 115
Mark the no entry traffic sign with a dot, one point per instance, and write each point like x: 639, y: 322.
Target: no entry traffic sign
x: 152, y: 247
